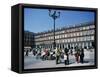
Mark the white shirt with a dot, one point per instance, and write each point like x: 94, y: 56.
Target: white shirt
x: 65, y: 57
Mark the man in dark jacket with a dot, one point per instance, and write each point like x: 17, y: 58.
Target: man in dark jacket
x: 66, y: 52
x: 82, y: 56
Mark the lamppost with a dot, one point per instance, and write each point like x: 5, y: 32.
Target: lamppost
x: 54, y: 14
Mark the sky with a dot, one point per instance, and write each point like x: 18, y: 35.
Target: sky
x: 38, y: 20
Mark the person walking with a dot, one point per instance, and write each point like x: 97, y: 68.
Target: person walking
x: 67, y: 54
x: 77, y: 54
x: 57, y: 55
x: 43, y: 54
x: 26, y: 53
x: 82, y: 56
x: 65, y: 59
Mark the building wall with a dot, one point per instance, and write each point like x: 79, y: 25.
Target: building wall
x: 81, y: 35
x: 29, y: 39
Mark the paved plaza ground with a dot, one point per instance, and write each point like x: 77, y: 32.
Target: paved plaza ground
x: 30, y: 62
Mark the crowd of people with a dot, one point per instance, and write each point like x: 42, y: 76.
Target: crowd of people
x: 58, y: 54
x: 78, y: 53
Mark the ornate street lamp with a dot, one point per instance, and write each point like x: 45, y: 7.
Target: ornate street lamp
x: 54, y: 14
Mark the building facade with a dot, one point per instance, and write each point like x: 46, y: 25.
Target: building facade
x: 81, y: 35
x: 28, y: 39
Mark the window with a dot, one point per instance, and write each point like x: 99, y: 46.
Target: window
x: 92, y: 31
x: 92, y: 37
x: 92, y: 26
x: 65, y: 35
x: 71, y: 39
x: 68, y: 30
x: 62, y: 40
x: 87, y: 27
x: 81, y: 38
x: 74, y: 40
x: 73, y: 30
x: 88, y: 38
x: 71, y: 34
x: 74, y: 34
x: 68, y: 40
x: 80, y: 33
x: 84, y: 38
x: 57, y: 41
x: 80, y: 28
x: 78, y: 39
x: 77, y: 33
x: 57, y: 36
x: 84, y: 33
x: 62, y: 35
x: 65, y: 40
x: 51, y: 37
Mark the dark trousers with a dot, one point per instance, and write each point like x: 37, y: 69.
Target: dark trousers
x: 81, y: 60
x: 66, y: 62
x: 57, y: 59
x: 26, y: 53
